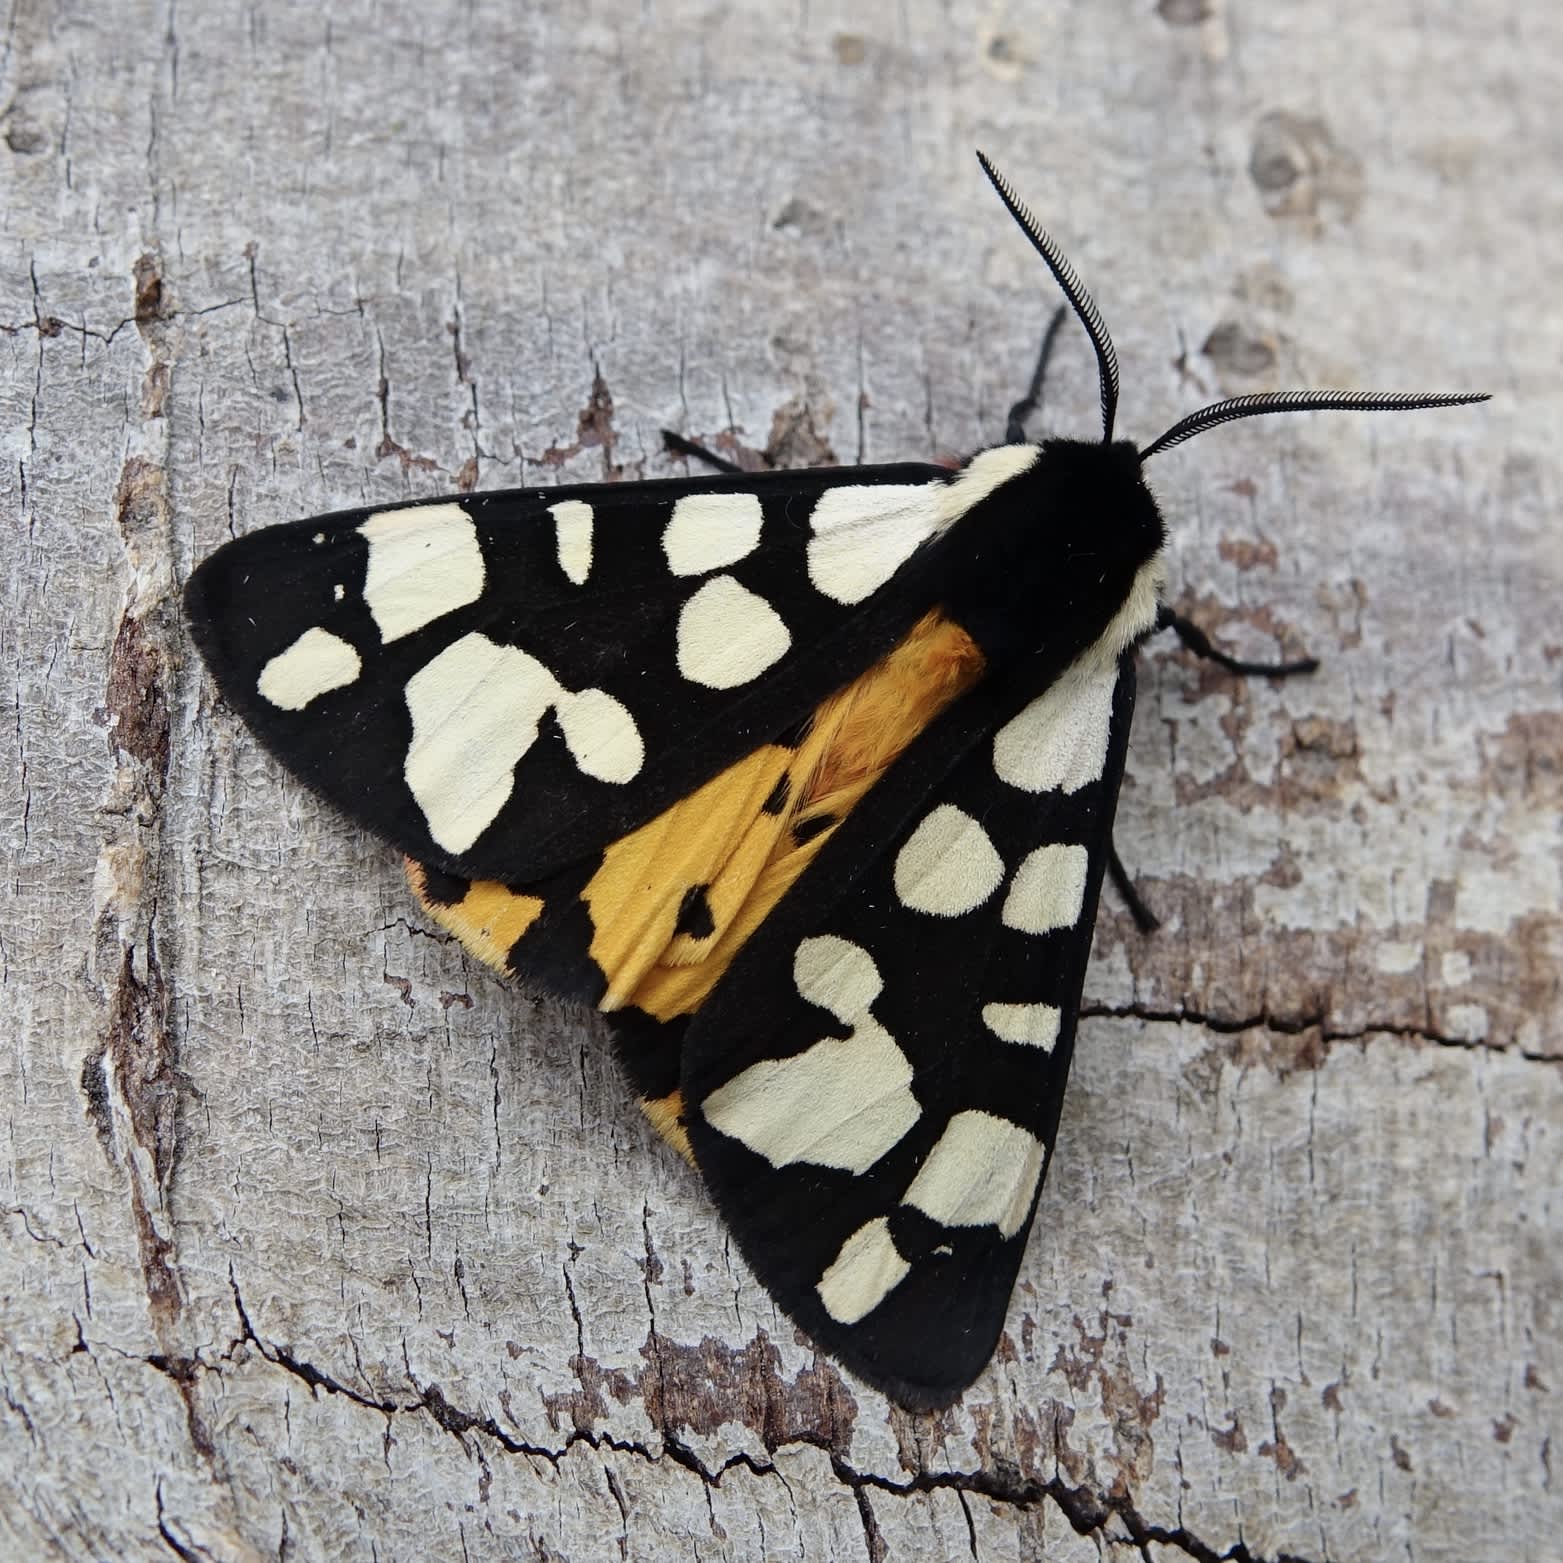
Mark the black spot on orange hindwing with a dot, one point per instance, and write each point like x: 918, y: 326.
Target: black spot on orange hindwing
x: 807, y: 829
x: 792, y: 737
x: 779, y: 796
x: 694, y: 914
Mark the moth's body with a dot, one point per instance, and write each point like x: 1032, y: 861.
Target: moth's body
x: 806, y: 778
x: 964, y: 597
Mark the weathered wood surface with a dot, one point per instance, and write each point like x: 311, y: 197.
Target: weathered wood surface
x: 320, y: 1242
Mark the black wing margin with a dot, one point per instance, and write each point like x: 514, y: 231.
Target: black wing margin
x: 874, y: 1090
x: 404, y: 661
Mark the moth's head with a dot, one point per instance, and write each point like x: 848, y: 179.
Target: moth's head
x: 1117, y: 453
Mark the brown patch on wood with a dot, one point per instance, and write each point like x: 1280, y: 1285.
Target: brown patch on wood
x: 698, y: 1388
x: 1301, y: 171
x: 1105, y: 1358
x: 1236, y: 349
x: 1320, y: 759
x: 1244, y: 552
x: 795, y: 439
x: 185, y: 1372
x: 594, y: 430
x: 467, y: 475
x: 1278, y: 1449
x: 410, y: 462
x: 136, y: 698
x: 150, y: 303
x: 139, y: 1046
x: 154, y: 389
x: 141, y: 1049
x: 1524, y: 762
x: 141, y: 506
x: 1232, y: 1439
x: 1285, y: 1457
x: 1398, y: 1455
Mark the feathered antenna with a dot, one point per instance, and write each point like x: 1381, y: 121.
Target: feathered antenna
x: 1074, y: 290
x: 1256, y: 405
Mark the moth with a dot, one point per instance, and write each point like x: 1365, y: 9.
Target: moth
x: 805, y: 778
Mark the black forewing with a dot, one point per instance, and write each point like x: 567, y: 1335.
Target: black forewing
x: 256, y: 596
x: 934, y: 1331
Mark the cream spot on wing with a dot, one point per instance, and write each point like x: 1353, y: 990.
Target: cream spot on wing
x: 573, y: 534
x: 866, y: 1270
x: 708, y: 531
x: 837, y: 976
x: 839, y: 1103
x: 948, y: 865
x: 865, y: 532
x: 316, y: 662
x: 1058, y: 743
x: 985, y: 472
x: 1029, y: 1025
x: 424, y: 562
x: 727, y: 635
x: 601, y: 735
x: 338, y: 592
x: 475, y: 710
x: 1048, y: 890
x: 983, y: 1172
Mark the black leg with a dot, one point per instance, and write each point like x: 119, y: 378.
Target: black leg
x: 1198, y: 642
x: 1015, y: 425
x: 682, y: 447
x: 1144, y: 918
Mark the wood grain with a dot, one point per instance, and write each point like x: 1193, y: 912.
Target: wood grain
x: 321, y: 1242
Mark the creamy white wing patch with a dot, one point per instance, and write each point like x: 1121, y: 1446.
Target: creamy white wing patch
x: 600, y: 734
x: 1058, y: 743
x: 980, y: 477
x: 573, y: 537
x: 708, y: 531
x: 948, y: 865
x: 982, y: 1172
x: 840, y: 1103
x: 424, y: 562
x: 866, y: 1270
x: 865, y: 532
x: 1048, y: 890
x: 728, y: 635
x: 475, y: 709
x: 315, y: 663
x: 1030, y: 1025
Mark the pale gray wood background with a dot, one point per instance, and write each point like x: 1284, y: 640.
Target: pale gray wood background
x: 321, y: 1242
